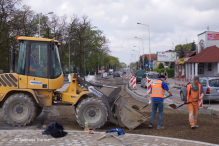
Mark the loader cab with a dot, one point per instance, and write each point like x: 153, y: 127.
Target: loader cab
x: 38, y: 62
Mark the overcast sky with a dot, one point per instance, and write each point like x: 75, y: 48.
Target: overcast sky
x: 171, y: 22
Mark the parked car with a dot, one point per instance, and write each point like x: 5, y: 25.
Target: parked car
x: 116, y: 74
x: 139, y: 74
x: 124, y: 72
x: 110, y: 72
x: 150, y: 75
x: 210, y: 86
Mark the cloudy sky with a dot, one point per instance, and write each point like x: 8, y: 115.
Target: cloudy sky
x: 171, y: 22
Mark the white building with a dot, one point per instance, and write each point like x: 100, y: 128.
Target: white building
x: 206, y: 62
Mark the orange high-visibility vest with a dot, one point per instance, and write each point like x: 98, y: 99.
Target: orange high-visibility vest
x: 189, y: 87
x: 157, y: 90
x: 34, y: 60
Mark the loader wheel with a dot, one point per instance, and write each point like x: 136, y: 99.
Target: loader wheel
x: 39, y: 110
x: 94, y: 111
x: 19, y: 109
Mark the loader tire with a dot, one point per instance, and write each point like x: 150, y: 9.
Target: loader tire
x: 19, y: 109
x: 94, y: 111
x: 39, y: 110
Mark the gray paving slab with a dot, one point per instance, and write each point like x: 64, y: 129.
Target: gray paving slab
x: 81, y: 138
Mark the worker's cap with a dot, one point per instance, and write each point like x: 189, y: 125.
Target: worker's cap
x: 161, y: 76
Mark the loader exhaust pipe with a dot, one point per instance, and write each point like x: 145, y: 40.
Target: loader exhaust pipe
x: 12, y: 60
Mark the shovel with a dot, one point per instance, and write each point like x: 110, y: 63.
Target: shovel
x: 173, y: 105
x: 148, y: 103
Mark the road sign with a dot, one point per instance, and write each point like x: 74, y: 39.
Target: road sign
x: 150, y: 62
x: 146, y: 65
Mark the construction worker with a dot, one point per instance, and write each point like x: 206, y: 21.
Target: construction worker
x: 194, y: 92
x: 157, y: 96
x: 34, y: 65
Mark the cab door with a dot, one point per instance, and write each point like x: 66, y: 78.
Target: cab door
x: 38, y: 65
x: 21, y: 69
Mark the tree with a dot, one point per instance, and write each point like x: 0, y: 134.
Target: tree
x: 193, y: 48
x: 181, y: 53
x: 178, y: 47
x: 172, y: 65
x: 187, y: 46
x: 160, y: 66
x: 88, y: 46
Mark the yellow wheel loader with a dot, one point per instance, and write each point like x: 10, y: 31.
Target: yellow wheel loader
x: 34, y: 85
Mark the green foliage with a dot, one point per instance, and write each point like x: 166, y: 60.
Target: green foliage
x: 193, y: 48
x: 181, y: 53
x: 187, y: 46
x: 88, y: 46
x: 160, y: 66
x: 122, y: 65
x: 178, y: 47
x: 172, y: 65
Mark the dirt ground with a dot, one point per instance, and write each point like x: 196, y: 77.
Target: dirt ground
x: 175, y: 122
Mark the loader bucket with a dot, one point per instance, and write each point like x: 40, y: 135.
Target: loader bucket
x: 131, y: 118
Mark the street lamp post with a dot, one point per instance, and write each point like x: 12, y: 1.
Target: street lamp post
x: 149, y: 40
x: 138, y: 54
x: 143, y: 50
x: 39, y: 20
x: 69, y: 54
x: 135, y: 57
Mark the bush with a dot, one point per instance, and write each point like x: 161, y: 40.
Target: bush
x: 170, y: 72
x: 160, y: 66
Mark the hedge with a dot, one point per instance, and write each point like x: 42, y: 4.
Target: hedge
x: 170, y: 72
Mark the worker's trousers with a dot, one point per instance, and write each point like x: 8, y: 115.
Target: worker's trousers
x: 155, y: 105
x: 193, y: 113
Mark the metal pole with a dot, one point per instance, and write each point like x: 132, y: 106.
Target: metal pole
x: 143, y: 54
x: 149, y: 41
x: 149, y: 45
x: 69, y: 54
x: 39, y: 24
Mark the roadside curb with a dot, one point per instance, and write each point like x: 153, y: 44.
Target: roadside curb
x: 134, y: 95
x: 166, y: 105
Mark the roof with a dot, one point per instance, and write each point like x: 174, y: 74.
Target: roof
x: 190, y: 54
x: 207, y: 31
x: 153, y: 56
x: 209, y: 54
x: 35, y: 39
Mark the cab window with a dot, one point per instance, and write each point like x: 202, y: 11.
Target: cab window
x: 38, y: 59
x: 21, y: 58
x: 56, y: 65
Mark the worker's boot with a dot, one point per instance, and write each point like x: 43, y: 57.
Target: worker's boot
x: 192, y: 126
x: 150, y: 126
x: 196, y: 126
x: 160, y: 127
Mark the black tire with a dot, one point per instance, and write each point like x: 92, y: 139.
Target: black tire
x: 39, y: 110
x: 94, y: 111
x: 181, y: 96
x: 19, y: 109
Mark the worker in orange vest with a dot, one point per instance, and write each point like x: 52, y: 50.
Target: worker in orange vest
x: 34, y: 65
x: 157, y: 96
x: 194, y: 92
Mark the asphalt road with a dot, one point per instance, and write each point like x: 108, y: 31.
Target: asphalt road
x: 175, y: 92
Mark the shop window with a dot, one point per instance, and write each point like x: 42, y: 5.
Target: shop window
x: 201, y: 68
x: 209, y: 66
